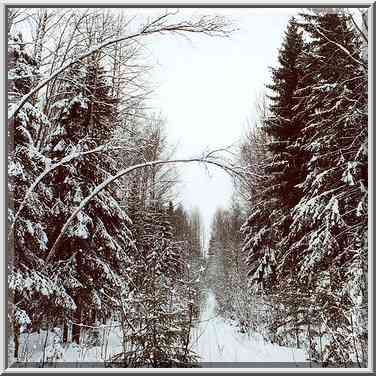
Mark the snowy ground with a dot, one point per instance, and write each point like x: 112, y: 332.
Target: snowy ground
x: 45, y: 347
x: 214, y: 339
x: 217, y: 341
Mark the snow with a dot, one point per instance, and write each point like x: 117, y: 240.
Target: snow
x: 15, y: 169
x: 359, y: 209
x: 215, y: 340
x: 81, y: 229
x: 80, y: 100
x: 348, y: 177
x: 32, y: 345
x: 22, y: 317
x: 60, y: 146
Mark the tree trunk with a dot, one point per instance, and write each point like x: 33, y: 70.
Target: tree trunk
x: 76, y: 331
x: 309, y: 343
x: 16, y: 334
x: 65, y: 332
x: 76, y: 328
x: 297, y: 338
x: 94, y: 317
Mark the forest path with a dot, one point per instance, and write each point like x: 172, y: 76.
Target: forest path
x: 215, y: 340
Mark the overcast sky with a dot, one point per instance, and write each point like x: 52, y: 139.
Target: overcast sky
x: 207, y: 89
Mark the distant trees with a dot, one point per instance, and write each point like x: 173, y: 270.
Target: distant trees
x: 226, y: 269
x: 306, y: 234
x: 161, y: 298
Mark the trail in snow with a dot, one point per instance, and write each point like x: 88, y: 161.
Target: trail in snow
x: 215, y: 340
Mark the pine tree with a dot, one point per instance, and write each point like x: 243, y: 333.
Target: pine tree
x: 267, y: 227
x: 329, y: 222
x: 318, y: 270
x: 159, y: 313
x: 31, y: 288
x: 93, y: 252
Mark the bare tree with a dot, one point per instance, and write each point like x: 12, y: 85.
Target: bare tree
x: 205, y: 25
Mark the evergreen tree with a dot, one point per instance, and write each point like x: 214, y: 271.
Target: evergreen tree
x: 330, y: 217
x: 159, y: 313
x: 31, y: 288
x: 306, y: 239
x: 267, y: 227
x: 94, y: 249
x: 281, y: 125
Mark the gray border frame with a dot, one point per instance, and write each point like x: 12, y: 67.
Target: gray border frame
x: 372, y: 137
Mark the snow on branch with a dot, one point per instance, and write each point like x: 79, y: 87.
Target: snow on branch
x: 214, y: 26
x: 344, y: 49
x: 205, y: 160
x: 47, y: 171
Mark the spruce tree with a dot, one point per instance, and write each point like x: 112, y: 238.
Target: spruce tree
x: 33, y: 292
x: 281, y: 125
x: 329, y: 222
x: 268, y: 225
x: 159, y: 313
x: 93, y: 252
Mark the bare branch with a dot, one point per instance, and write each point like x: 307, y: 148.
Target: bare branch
x: 206, y: 25
x: 358, y: 28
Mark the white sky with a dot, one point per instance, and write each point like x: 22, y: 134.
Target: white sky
x: 207, y: 89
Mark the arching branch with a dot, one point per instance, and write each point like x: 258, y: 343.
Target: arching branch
x: 206, y: 25
x: 230, y: 170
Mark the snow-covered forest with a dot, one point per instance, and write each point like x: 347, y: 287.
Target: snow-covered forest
x: 106, y: 265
